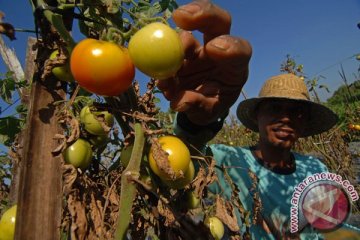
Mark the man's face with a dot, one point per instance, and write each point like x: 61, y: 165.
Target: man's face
x: 281, y: 123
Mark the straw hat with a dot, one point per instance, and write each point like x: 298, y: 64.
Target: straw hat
x: 288, y: 87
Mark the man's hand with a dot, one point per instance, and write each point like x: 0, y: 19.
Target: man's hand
x: 213, y: 74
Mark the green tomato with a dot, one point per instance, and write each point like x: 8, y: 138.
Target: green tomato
x: 216, y: 227
x: 62, y: 73
x: 79, y: 154
x: 156, y: 50
x: 192, y: 200
x: 7, y: 224
x: 91, y: 124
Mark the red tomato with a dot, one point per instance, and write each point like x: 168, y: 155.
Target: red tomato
x: 101, y: 67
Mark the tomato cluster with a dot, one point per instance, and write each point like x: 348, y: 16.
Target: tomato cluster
x: 107, y: 69
x: 80, y: 153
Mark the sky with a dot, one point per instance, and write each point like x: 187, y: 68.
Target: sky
x: 320, y: 34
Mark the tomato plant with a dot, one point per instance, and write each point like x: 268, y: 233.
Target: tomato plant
x: 156, y: 50
x: 62, y: 73
x: 182, y: 182
x: 216, y: 227
x: 93, y: 125
x: 7, y: 224
x: 102, y: 67
x: 79, y: 154
x: 178, y: 157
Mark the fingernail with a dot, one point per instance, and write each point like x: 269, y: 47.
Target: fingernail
x: 221, y: 43
x: 190, y: 8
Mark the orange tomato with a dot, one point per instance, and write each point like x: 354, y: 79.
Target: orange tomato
x: 354, y: 126
x: 101, y: 67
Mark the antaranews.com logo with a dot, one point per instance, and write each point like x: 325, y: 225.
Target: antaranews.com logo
x: 322, y: 200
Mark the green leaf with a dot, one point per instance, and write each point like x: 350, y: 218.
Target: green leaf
x: 7, y: 86
x: 325, y: 87
x: 21, y: 109
x: 9, y: 127
x: 56, y: 20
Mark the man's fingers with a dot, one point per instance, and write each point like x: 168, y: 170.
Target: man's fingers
x: 204, y: 16
x: 202, y: 105
x: 190, y: 44
x: 229, y: 48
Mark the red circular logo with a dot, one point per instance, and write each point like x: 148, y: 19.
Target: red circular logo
x: 325, y: 206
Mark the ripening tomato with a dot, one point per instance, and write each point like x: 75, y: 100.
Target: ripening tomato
x: 7, y: 224
x: 156, y: 50
x: 79, y: 154
x: 354, y: 126
x: 91, y: 124
x: 182, y: 182
x: 216, y: 227
x: 178, y: 156
x: 101, y: 67
x: 62, y: 73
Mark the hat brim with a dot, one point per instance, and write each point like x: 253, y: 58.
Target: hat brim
x: 321, y: 117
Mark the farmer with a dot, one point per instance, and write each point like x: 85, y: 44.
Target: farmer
x: 210, y: 82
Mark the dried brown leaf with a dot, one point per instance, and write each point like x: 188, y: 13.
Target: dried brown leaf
x: 114, y: 198
x: 161, y: 158
x: 226, y: 213
x: 204, y: 177
x: 75, y: 129
x: 59, y: 148
x: 69, y: 177
x: 96, y: 215
x: 166, y: 212
x: 79, y: 222
x: 101, y: 118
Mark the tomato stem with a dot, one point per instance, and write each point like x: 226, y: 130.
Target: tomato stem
x: 128, y: 12
x: 128, y: 186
